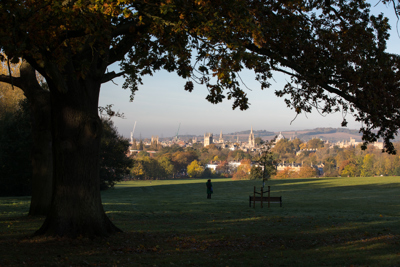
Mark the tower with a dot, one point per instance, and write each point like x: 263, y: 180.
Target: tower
x: 221, y: 139
x: 154, y: 139
x: 208, y: 139
x: 280, y: 136
x: 252, y: 142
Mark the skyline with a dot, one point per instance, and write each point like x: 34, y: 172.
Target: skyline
x: 196, y: 116
x: 161, y: 104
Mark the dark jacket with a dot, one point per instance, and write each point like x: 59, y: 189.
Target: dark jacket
x: 209, y: 188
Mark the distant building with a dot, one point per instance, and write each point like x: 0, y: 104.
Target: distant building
x: 212, y: 166
x: 293, y: 166
x: 181, y: 143
x: 378, y: 145
x: 233, y: 147
x: 221, y: 139
x: 279, y: 137
x: 320, y: 169
x: 154, y: 140
x: 306, y: 150
x: 345, y: 144
x: 252, y: 141
x: 208, y: 139
x: 234, y: 164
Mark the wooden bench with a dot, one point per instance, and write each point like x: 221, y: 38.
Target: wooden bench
x: 264, y: 199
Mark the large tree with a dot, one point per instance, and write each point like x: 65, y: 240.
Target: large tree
x: 71, y: 44
x: 23, y: 76
x: 336, y: 60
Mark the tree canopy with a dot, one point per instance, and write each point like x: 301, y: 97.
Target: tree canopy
x: 334, y: 51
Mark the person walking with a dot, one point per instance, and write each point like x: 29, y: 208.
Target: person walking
x: 209, y: 188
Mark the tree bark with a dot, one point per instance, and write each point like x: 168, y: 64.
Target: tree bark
x: 41, y: 155
x: 42, y: 163
x: 76, y: 208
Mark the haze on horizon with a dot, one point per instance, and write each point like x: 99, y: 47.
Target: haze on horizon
x: 161, y: 105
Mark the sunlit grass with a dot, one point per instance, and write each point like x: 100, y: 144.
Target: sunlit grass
x: 323, y: 222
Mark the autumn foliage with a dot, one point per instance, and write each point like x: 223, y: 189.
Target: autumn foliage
x: 304, y: 172
x: 10, y: 96
x: 243, y: 171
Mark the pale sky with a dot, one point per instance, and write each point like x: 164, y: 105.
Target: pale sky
x: 161, y: 104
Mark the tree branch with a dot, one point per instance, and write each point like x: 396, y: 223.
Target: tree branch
x: 293, y: 66
x: 124, y: 29
x: 118, y: 52
x: 111, y: 75
x: 16, y: 81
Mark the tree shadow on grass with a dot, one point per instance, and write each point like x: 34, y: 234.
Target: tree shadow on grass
x: 313, y: 195
x: 177, y: 224
x: 197, y: 239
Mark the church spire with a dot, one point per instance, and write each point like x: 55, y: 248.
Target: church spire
x: 252, y: 143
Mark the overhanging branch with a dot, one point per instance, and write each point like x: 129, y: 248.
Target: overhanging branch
x: 111, y: 75
x: 293, y: 66
x: 16, y: 81
x: 118, y: 52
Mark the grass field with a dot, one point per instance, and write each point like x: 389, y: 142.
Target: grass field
x: 323, y: 222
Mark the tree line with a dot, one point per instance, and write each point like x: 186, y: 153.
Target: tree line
x: 175, y: 161
x: 349, y: 161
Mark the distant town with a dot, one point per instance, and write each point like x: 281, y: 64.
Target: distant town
x: 246, y: 140
x: 296, y: 154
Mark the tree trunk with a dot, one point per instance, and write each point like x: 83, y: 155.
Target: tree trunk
x: 76, y: 208
x: 42, y: 165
